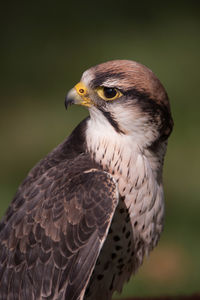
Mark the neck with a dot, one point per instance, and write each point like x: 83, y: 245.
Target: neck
x: 138, y: 172
x: 121, y: 155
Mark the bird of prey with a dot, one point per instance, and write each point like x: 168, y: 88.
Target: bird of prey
x: 85, y: 216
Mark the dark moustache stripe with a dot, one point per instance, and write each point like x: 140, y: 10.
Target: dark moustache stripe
x: 111, y: 120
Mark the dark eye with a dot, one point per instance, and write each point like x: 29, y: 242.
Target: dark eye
x: 109, y: 92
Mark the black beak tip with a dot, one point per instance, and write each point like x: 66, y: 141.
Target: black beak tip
x: 68, y: 102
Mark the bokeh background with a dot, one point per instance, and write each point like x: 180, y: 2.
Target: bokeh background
x: 45, y: 47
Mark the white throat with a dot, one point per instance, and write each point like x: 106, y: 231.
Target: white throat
x: 120, y: 153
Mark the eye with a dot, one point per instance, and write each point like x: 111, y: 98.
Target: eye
x: 108, y: 93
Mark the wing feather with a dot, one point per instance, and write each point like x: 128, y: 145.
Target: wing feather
x: 53, y: 233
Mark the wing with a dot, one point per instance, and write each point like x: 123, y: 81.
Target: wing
x: 53, y: 233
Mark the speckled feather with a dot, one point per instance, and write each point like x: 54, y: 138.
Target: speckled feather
x: 83, y: 219
x: 54, y: 229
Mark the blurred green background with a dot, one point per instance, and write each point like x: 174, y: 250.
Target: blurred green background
x: 46, y: 46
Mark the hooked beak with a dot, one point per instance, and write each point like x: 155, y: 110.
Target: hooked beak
x: 78, y: 95
x: 72, y: 98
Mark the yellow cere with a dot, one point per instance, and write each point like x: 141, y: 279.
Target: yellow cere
x: 83, y: 93
x: 81, y: 89
x: 108, y: 94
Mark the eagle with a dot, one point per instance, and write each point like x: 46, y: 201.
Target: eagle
x: 83, y: 219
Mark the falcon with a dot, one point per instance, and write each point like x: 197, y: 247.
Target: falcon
x: 86, y: 215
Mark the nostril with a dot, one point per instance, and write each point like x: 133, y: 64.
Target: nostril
x: 81, y: 91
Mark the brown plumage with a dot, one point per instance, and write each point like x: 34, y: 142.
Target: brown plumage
x: 87, y: 213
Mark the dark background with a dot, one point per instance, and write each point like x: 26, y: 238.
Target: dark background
x: 46, y: 46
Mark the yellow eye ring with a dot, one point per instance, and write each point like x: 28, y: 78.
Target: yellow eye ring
x: 108, y: 94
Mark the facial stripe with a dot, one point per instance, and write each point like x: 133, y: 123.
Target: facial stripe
x: 135, y: 93
x: 111, y: 120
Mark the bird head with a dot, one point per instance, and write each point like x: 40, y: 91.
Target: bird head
x: 127, y: 96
